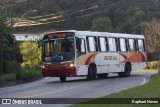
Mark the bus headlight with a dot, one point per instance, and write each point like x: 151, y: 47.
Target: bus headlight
x: 71, y: 65
x: 43, y: 67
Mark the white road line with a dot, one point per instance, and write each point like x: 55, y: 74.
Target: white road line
x: 144, y: 81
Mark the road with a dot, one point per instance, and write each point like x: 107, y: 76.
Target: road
x: 74, y: 87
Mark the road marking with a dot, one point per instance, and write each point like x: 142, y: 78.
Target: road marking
x: 144, y: 81
x: 54, y: 91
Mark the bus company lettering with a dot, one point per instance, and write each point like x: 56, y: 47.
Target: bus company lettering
x: 110, y: 57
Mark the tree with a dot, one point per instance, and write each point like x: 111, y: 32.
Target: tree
x: 31, y: 54
x: 133, y: 24
x: 103, y: 24
x: 137, y: 21
x: 152, y: 34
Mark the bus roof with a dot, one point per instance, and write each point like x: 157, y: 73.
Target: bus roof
x: 95, y: 33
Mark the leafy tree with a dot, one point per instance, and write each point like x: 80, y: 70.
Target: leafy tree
x: 103, y: 24
x: 31, y: 54
x: 137, y: 21
x: 133, y: 24
x: 152, y: 34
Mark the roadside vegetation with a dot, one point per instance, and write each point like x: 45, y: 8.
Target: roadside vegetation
x: 153, y: 65
x: 18, y: 60
x: 20, y: 75
x: 122, y: 16
x: 149, y: 90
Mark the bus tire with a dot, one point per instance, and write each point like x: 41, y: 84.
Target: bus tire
x: 127, y: 71
x: 91, y: 73
x: 101, y: 76
x: 63, y: 79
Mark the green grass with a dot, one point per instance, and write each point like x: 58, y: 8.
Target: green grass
x: 8, y: 78
x: 20, y: 75
x: 32, y: 73
x: 149, y: 90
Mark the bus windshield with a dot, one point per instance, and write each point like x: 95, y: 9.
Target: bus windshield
x: 58, y: 50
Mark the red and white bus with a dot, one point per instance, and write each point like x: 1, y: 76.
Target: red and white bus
x: 92, y: 54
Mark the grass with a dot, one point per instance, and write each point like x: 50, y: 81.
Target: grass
x: 149, y: 90
x: 20, y: 75
x: 7, y: 78
x: 32, y: 73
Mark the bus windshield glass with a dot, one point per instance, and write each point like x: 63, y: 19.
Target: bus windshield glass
x: 58, y: 50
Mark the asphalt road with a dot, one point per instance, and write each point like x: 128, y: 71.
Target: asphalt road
x: 73, y: 88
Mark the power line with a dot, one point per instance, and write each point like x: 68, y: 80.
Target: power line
x: 101, y: 6
x: 69, y: 13
x: 72, y: 11
x: 62, y: 20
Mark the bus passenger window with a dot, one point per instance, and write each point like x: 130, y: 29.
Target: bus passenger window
x: 103, y: 44
x: 122, y: 43
x: 141, y: 45
x: 46, y: 47
x: 112, y: 44
x: 131, y: 43
x: 80, y: 45
x: 92, y: 44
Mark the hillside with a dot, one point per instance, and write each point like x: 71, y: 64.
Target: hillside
x: 113, y: 15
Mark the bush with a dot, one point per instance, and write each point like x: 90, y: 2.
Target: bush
x: 30, y: 74
x: 18, y: 74
x: 152, y: 65
x: 26, y: 65
x: 7, y: 78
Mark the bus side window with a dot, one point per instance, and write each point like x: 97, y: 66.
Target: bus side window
x: 112, y: 44
x: 131, y: 45
x: 140, y: 43
x: 92, y: 44
x: 80, y: 43
x: 103, y: 44
x: 122, y: 44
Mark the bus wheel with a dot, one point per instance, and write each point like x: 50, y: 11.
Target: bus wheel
x: 102, y: 75
x: 91, y: 73
x: 63, y: 79
x: 127, y: 71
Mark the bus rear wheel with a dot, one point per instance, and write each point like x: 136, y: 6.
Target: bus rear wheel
x: 63, y: 79
x: 101, y: 76
x: 127, y: 71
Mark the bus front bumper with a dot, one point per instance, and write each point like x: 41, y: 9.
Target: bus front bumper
x: 59, y: 73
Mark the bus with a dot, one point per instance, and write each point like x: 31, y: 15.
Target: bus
x: 92, y: 54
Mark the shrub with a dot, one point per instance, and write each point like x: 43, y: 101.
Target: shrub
x: 26, y: 65
x: 152, y: 65
x: 31, y: 73
x: 18, y: 74
x: 7, y: 78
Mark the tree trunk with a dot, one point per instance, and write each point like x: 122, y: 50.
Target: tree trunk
x: 1, y: 49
